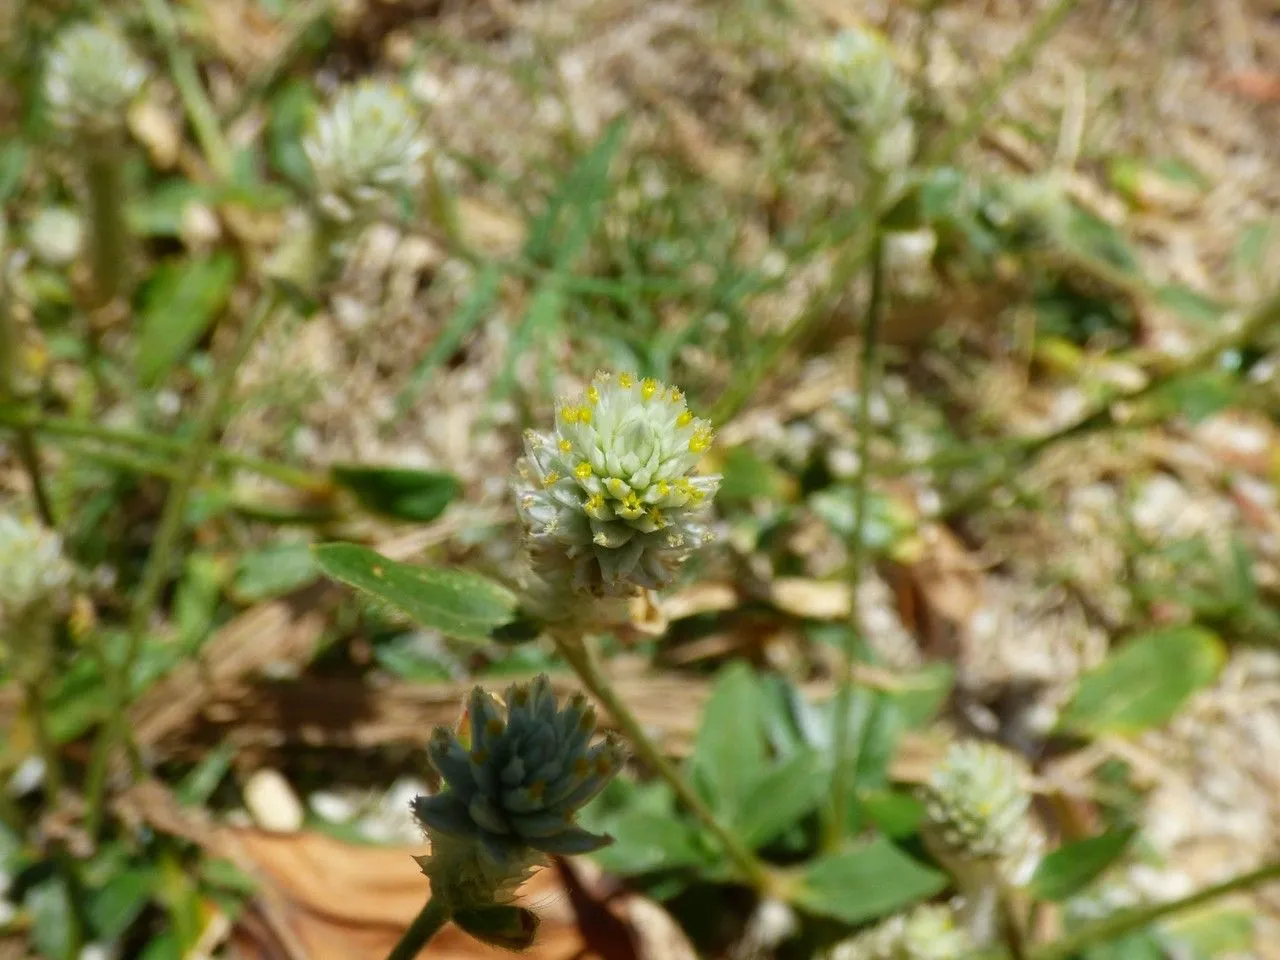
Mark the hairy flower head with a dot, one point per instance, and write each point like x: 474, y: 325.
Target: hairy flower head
x: 35, y: 589
x: 511, y: 794
x: 977, y: 811
x: 366, y: 150
x: 927, y: 933
x: 609, y: 498
x: 868, y: 95
x: 91, y: 77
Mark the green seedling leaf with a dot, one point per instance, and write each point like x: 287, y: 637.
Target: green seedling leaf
x: 729, y: 754
x: 1144, y: 683
x: 863, y: 884
x: 274, y: 570
x: 180, y: 302
x: 780, y: 798
x: 462, y: 605
x: 1069, y: 869
x: 418, y: 496
x: 114, y: 908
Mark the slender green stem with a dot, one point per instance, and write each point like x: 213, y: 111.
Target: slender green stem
x: 155, y: 443
x: 211, y: 414
x: 742, y: 387
x: 872, y: 316
x: 1129, y: 921
x: 28, y: 452
x: 576, y: 652
x: 426, y: 925
x: 182, y: 65
x: 108, y: 235
x: 1018, y: 61
x: 1105, y: 416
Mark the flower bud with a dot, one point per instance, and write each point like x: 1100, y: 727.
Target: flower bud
x: 91, y: 77
x: 977, y: 813
x: 610, y: 500
x: 366, y: 151
x: 511, y: 794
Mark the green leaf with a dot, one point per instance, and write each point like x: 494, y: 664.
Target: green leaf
x: 645, y: 842
x: 13, y: 169
x: 461, y: 605
x: 415, y: 495
x: 747, y: 477
x: 780, y: 798
x: 895, y: 812
x: 290, y: 110
x: 1069, y: 869
x: 51, y: 918
x: 863, y: 884
x: 1189, y: 304
x: 274, y: 570
x: 1145, y: 682
x: 114, y: 908
x: 729, y: 753
x: 1213, y: 931
x: 198, y: 785
x: 180, y: 302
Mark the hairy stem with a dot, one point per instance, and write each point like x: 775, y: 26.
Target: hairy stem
x: 1014, y: 64
x: 108, y: 235
x: 1129, y: 921
x: 210, y: 416
x: 426, y: 925
x: 839, y: 808
x: 575, y: 651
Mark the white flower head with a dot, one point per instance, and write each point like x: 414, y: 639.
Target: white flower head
x: 35, y: 589
x: 610, y: 500
x: 366, y: 150
x: 977, y: 811
x: 91, y: 77
x: 869, y: 96
x: 929, y: 932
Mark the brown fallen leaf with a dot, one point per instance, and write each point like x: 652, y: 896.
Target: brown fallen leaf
x: 321, y: 899
x: 813, y: 599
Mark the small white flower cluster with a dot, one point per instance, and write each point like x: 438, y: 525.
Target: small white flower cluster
x: 869, y: 96
x: 91, y: 77
x: 35, y: 589
x: 610, y: 500
x: 977, y: 812
x: 366, y: 151
x: 928, y: 932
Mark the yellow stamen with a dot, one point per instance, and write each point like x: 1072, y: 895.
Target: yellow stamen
x: 626, y: 381
x: 569, y: 414
x: 550, y: 478
x: 648, y: 387
x: 664, y: 488
x: 595, y: 503
x: 565, y: 446
x: 593, y: 394
x: 582, y: 470
x: 684, y: 419
x: 655, y: 516
x: 632, y: 502
x: 677, y: 395
x: 700, y: 441
x: 584, y: 414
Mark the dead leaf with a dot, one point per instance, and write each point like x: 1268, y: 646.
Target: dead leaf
x: 322, y: 899
x: 813, y: 599
x: 706, y: 597
x: 1260, y: 86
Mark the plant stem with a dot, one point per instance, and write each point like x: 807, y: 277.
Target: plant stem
x: 575, y: 651
x: 1104, y: 415
x: 108, y: 235
x: 28, y: 453
x: 119, y: 676
x: 872, y: 316
x: 1128, y: 921
x: 1018, y: 61
x: 157, y: 444
x: 182, y: 65
x: 426, y: 925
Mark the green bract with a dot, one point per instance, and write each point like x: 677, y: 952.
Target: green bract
x: 365, y: 150
x: 511, y: 796
x: 91, y: 77
x: 609, y: 500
